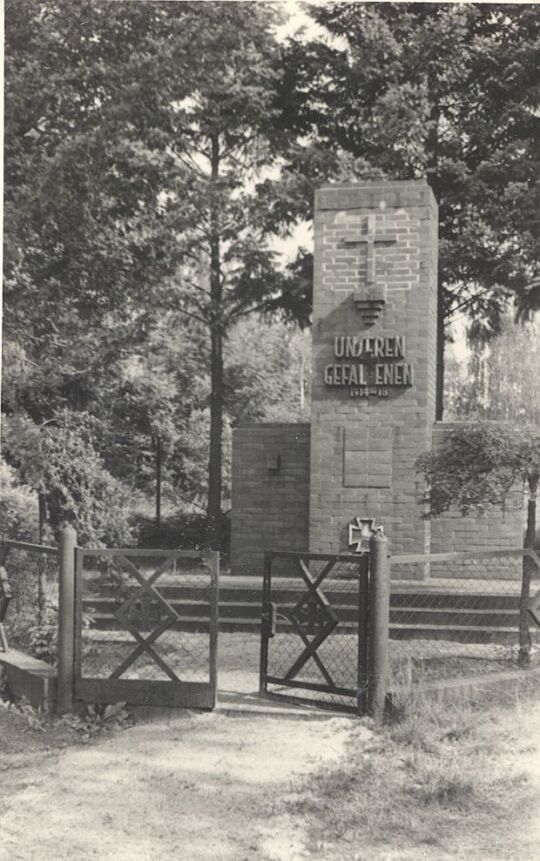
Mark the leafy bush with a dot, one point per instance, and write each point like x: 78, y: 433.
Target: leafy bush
x: 32, y: 617
x: 43, y: 642
x: 61, y: 461
x: 18, y: 507
x: 477, y: 466
x: 98, y: 719
x: 183, y: 530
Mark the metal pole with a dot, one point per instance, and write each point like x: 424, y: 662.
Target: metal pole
x: 379, y: 620
x: 66, y: 619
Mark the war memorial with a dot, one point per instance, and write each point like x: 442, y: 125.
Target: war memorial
x: 306, y: 616
x: 323, y: 486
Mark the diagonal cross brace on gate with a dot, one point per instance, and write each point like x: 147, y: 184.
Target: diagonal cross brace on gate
x: 534, y: 602
x: 93, y: 679
x: 294, y: 630
x: 312, y: 646
x: 122, y: 614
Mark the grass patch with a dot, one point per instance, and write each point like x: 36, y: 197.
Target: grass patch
x: 437, y: 775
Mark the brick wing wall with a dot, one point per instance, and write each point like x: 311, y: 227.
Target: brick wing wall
x: 270, y: 492
x: 270, y: 506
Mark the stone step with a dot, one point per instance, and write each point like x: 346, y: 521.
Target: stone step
x: 104, y: 610
x: 475, y: 601
x: 284, y: 590
x: 460, y: 633
x: 473, y: 633
x: 455, y: 600
x: 460, y: 616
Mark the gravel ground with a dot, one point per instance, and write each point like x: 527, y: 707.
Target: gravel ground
x: 198, y: 787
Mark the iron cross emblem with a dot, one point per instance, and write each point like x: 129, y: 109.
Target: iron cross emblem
x: 360, y: 532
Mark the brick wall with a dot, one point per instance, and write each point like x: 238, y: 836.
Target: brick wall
x: 269, y: 506
x: 363, y: 450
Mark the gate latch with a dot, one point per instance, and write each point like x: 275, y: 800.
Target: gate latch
x: 270, y: 619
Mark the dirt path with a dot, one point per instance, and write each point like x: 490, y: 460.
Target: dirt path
x: 193, y: 788
x: 204, y: 787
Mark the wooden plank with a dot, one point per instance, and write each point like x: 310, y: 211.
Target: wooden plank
x: 265, y: 621
x: 25, y: 662
x: 77, y: 627
x: 318, y: 557
x: 312, y: 686
x: 466, y: 554
x: 141, y: 692
x: 532, y: 555
x: 5, y: 593
x: 214, y: 622
x: 363, y: 631
x: 308, y: 644
x: 67, y: 621
x: 108, y: 552
x: 145, y: 645
x: 30, y: 678
x: 306, y: 704
x: 534, y: 608
x: 33, y: 548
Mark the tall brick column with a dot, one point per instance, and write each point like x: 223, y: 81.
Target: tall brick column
x: 374, y: 356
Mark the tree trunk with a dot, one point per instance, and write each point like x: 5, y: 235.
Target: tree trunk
x: 42, y: 517
x: 215, y: 455
x: 302, y: 390
x: 213, y: 518
x: 41, y: 560
x: 158, y: 482
x: 524, y: 658
x: 432, y: 171
x: 439, y: 384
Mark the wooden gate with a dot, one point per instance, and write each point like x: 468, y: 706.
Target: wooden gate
x: 133, y: 639
x: 314, y: 630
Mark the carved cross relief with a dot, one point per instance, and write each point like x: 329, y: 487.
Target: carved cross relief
x: 370, y: 301
x: 370, y: 239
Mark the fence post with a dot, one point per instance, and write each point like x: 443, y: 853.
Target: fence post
x: 66, y: 619
x: 214, y: 620
x: 379, y: 620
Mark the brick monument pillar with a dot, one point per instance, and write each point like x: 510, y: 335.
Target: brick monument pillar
x: 374, y: 361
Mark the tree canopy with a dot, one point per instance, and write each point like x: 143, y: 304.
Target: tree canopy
x: 135, y: 140
x: 449, y: 92
x: 500, y: 379
x: 153, y: 152
x: 479, y: 465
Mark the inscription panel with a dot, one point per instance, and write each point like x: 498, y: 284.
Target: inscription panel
x: 379, y: 365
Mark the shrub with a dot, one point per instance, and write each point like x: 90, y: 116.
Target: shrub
x: 60, y: 460
x: 18, y: 507
x: 184, y: 530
